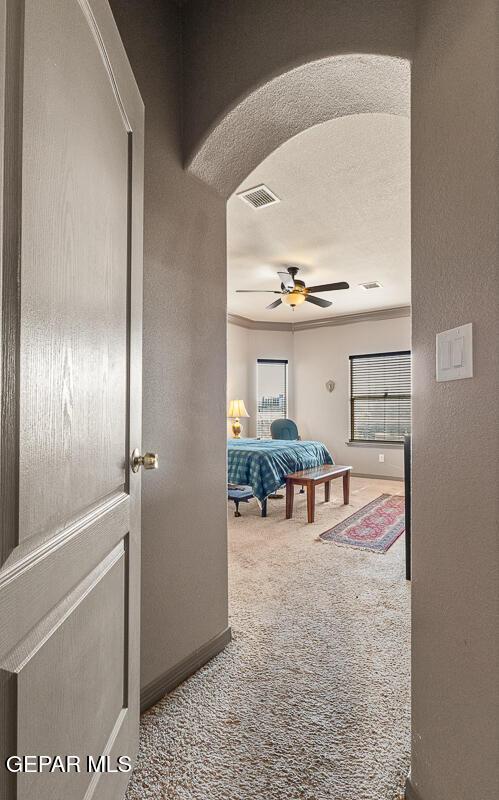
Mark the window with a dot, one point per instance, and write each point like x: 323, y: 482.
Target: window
x: 271, y: 394
x: 380, y: 397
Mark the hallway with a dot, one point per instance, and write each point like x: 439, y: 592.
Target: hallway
x: 311, y: 698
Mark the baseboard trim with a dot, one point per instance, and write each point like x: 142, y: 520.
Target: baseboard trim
x: 173, y: 677
x: 410, y: 792
x: 379, y: 477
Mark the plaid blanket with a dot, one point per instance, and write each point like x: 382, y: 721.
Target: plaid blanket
x: 263, y: 464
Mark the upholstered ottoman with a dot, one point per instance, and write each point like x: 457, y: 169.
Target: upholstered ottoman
x: 239, y: 494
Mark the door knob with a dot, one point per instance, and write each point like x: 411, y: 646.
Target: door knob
x: 148, y: 461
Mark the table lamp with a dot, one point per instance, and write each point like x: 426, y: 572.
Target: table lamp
x: 237, y: 409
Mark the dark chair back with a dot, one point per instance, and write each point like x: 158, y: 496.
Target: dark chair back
x: 284, y: 429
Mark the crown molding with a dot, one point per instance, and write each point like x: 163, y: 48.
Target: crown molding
x: 351, y: 319
x: 321, y: 322
x: 255, y: 325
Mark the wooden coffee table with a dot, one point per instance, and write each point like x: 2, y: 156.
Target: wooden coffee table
x: 312, y: 478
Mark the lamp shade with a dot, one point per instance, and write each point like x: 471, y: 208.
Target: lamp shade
x: 237, y: 409
x: 293, y: 298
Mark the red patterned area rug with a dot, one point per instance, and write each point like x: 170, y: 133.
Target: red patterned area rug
x: 374, y: 527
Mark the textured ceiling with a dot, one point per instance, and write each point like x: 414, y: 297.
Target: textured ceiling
x: 344, y: 215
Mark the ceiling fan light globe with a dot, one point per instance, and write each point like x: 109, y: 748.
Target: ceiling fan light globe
x: 293, y: 298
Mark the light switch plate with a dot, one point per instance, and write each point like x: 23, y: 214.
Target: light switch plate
x: 454, y: 353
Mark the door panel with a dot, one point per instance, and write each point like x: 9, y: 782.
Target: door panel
x: 50, y: 572
x: 60, y: 667
x: 74, y: 287
x: 70, y: 388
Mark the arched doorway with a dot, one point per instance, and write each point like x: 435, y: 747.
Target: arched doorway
x: 289, y: 104
x: 292, y: 102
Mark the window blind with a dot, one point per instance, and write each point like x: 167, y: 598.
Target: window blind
x: 380, y: 397
x: 272, y: 393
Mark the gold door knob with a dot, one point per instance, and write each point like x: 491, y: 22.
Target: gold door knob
x: 148, y: 461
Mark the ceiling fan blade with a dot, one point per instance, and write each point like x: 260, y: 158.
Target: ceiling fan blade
x: 318, y: 301
x: 275, y: 304
x: 329, y: 287
x: 252, y: 291
x: 286, y: 280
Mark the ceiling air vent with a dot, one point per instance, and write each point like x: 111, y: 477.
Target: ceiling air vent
x: 371, y: 285
x: 259, y: 196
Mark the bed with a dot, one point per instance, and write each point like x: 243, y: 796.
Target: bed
x: 264, y: 463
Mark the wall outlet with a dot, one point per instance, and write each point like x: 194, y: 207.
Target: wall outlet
x: 381, y: 458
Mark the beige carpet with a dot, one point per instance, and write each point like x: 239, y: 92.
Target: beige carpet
x: 311, y: 699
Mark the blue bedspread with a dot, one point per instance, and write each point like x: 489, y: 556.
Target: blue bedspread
x: 264, y: 463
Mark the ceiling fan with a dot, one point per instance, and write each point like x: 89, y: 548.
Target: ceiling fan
x: 294, y: 292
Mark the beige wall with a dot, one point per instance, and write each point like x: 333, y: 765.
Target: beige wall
x: 321, y: 354
x: 244, y: 347
x: 268, y: 344
x: 455, y: 268
x: 237, y: 370
x: 184, y: 552
x: 314, y: 356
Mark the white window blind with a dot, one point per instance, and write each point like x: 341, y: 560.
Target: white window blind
x: 380, y: 397
x: 271, y: 394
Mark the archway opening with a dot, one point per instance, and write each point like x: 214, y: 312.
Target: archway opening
x: 272, y: 565
x: 292, y: 102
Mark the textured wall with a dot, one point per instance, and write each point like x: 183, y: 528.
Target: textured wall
x: 240, y: 45
x: 289, y: 104
x: 184, y: 554
x: 322, y: 354
x: 455, y: 272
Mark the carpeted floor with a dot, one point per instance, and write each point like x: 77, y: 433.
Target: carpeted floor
x: 311, y: 698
